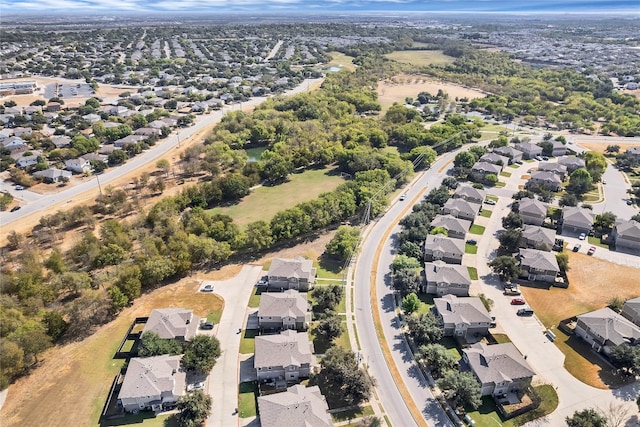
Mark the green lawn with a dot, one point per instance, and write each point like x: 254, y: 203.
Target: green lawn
x: 476, y: 229
x: 143, y: 419
x: 500, y: 184
x: 420, y: 57
x: 254, y: 300
x: 214, y: 316
x: 514, y: 165
x: 328, y: 268
x: 494, y: 198
x: 487, y: 416
x: 473, y: 273
x: 597, y: 241
x: 470, y: 249
x: 342, y: 305
x: 248, y: 342
x: 247, y: 400
x: 343, y: 340
x: 486, y: 213
x: 363, y: 411
x: 339, y: 59
x: 529, y: 161
x: 451, y: 345
x: 505, y: 174
x: 501, y: 338
x: 264, y: 202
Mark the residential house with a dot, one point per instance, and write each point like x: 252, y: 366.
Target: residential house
x: 173, y: 323
x: 61, y: 141
x: 538, y: 238
x: 26, y: 161
x: 633, y: 152
x: 548, y: 180
x: 299, y: 406
x: 529, y: 150
x: 5, y: 133
x: 556, y: 168
x: 462, y: 209
x: 22, y: 131
x: 626, y: 234
x: 532, y: 211
x: 462, y: 316
x: 500, y: 368
x: 129, y: 139
x: 559, y: 149
x: 152, y: 383
x: 604, y: 329
x: 438, y: 247
x: 95, y: 157
x: 444, y: 279
x: 14, y: 143
x: 470, y: 194
x: 538, y: 265
x: 147, y: 132
x: 92, y: 118
x: 53, y: 107
x: 571, y: 163
x: 631, y: 310
x: 515, y: 156
x: 79, y: 165
x: 456, y: 228
x: 576, y: 220
x: 287, y: 356
x: 284, y: 310
x: 496, y: 159
x: 481, y: 169
x: 296, y: 273
x: 52, y: 175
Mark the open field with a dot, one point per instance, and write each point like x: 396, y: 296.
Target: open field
x: 82, y: 371
x: 339, y: 59
x: 599, y: 148
x: 593, y: 282
x: 420, y: 57
x: 399, y: 87
x: 264, y: 202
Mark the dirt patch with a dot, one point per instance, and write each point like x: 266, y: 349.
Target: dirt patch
x: 600, y: 148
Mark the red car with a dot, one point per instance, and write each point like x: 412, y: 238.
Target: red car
x: 517, y: 301
x: 591, y: 250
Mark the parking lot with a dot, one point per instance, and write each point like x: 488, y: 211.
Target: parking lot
x: 66, y: 90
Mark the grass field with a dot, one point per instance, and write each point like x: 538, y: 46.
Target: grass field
x: 339, y: 59
x: 501, y: 338
x: 505, y: 174
x: 597, y: 241
x: 264, y: 202
x: 470, y: 249
x: 486, y: 213
x: 473, y: 273
x: 351, y: 414
x: 247, y: 400
x: 494, y: 198
x: 420, y: 57
x: 514, y: 165
x: 592, y: 283
x: 476, y: 229
x: 248, y: 342
x: 144, y: 419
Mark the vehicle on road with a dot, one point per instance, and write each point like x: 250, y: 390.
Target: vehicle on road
x: 403, y: 197
x: 19, y: 187
x: 527, y: 311
x: 206, y: 325
x: 591, y: 250
x: 490, y: 202
x: 511, y: 290
x: 577, y: 247
x: 15, y: 208
x: 629, y: 202
x: 604, y: 181
x: 207, y: 288
x: 472, y: 241
x: 582, y: 236
x: 195, y: 386
x: 517, y: 301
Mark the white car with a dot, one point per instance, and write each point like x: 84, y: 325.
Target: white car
x: 403, y: 197
x: 582, y: 236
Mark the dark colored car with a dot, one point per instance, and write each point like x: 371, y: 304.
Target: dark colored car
x: 15, y: 208
x: 472, y: 241
x: 206, y: 325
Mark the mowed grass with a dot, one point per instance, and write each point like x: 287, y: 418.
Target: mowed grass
x: 473, y: 273
x: 360, y: 412
x: 470, y: 249
x: 486, y: 213
x: 592, y: 283
x: 420, y: 57
x: 476, y: 229
x: 264, y: 202
x: 144, y: 419
x: 82, y: 371
x: 247, y: 400
x: 339, y: 59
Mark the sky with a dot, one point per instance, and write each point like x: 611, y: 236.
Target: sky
x: 16, y: 7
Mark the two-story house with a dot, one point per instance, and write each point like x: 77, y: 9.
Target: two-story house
x: 287, y: 356
x: 460, y: 208
x: 556, y: 168
x: 631, y: 310
x: 456, y: 228
x: 299, y: 406
x: 514, y: 156
x: 480, y: 170
x: 496, y: 159
x: 538, y: 237
x: 439, y: 247
x: 571, y: 163
x: 462, y: 316
x: 538, y: 265
x: 626, y: 235
x: 548, y: 180
x: 576, y: 220
x: 445, y: 279
x: 529, y: 150
x: 532, y: 211
x: 172, y: 323
x: 604, y: 329
x: 296, y: 273
x: 470, y: 194
x: 284, y: 310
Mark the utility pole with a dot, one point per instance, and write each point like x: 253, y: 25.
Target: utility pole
x: 98, y: 180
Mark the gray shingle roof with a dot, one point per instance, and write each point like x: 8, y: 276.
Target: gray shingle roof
x: 462, y: 205
x: 153, y: 376
x: 494, y: 158
x: 299, y: 406
x: 611, y: 326
x: 569, y: 162
x: 440, y: 272
x: 486, y: 167
x: 532, y: 207
x: 170, y: 323
x: 468, y: 191
x: 507, y: 151
x: 299, y: 267
x: 539, y: 234
x: 552, y: 167
x: 539, y: 260
x: 285, y: 349
x: 290, y: 303
x: 463, y: 310
x: 445, y: 244
x: 497, y: 363
x: 577, y: 216
x: 545, y: 176
x: 628, y: 229
x: 451, y: 223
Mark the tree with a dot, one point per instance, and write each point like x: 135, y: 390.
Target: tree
x: 491, y: 179
x: 118, y: 299
x: 626, y: 357
x: 506, y: 267
x: 327, y: 297
x: 512, y: 220
x: 569, y: 199
x: 32, y: 338
x: 612, y: 149
x: 194, y: 408
x: 438, y: 358
x: 424, y: 328
x: 510, y: 241
x: 258, y: 235
x: 580, y: 181
x: 410, y: 303
x: 330, y: 327
x: 439, y: 230
x: 407, y: 281
x: 461, y: 387
x: 465, y: 159
x: 343, y: 243
x: 5, y: 201
x: 563, y: 261
x: 201, y: 353
x: 152, y: 345
x: 55, y: 324
x: 595, y: 163
x: 586, y: 418
x: 604, y: 221
x: 401, y: 262
x: 163, y: 165
x: 616, y: 304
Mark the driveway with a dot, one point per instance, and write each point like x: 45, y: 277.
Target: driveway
x: 224, y: 377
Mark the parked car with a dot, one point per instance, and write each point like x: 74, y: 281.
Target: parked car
x: 527, y: 311
x: 517, y: 301
x: 262, y: 282
x: 195, y: 386
x: 539, y: 158
x: 206, y: 325
x: 629, y: 202
x: 472, y: 241
x: 577, y: 247
x: 591, y: 250
x: 207, y: 288
x: 545, y: 158
x: 582, y: 236
x: 511, y: 290
x: 490, y: 202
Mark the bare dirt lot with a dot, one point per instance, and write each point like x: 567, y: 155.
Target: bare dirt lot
x: 600, y: 148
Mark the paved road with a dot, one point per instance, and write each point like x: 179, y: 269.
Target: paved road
x: 41, y: 203
x: 224, y: 377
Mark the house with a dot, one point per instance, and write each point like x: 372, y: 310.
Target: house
x: 538, y: 238
x: 438, y: 247
x: 496, y: 159
x: 284, y: 310
x: 556, y: 168
x: 626, y: 234
x: 538, y: 265
x: 79, y: 165
x: 95, y: 157
x: 444, y: 279
x: 13, y: 143
x: 576, y: 220
x: 529, y: 150
x: 548, y: 180
x: 515, y: 156
x: 604, y: 329
x: 633, y: 152
x: 532, y: 211
x: 92, y: 118
x: 559, y: 149
x: 152, y: 383
x: 173, y: 323
x: 462, y: 209
x: 147, y: 132
x: 21, y: 131
x: 571, y: 163
x: 53, y: 107
x: 462, y: 316
x: 470, y: 194
x: 52, y: 175
x: 129, y: 139
x: 631, y: 310
x: 287, y: 356
x: 26, y: 161
x: 61, y: 141
x: 500, y: 368
x: 299, y: 406
x: 456, y: 228
x: 481, y: 169
x: 296, y: 273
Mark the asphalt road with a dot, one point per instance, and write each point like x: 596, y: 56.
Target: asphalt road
x: 41, y: 203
